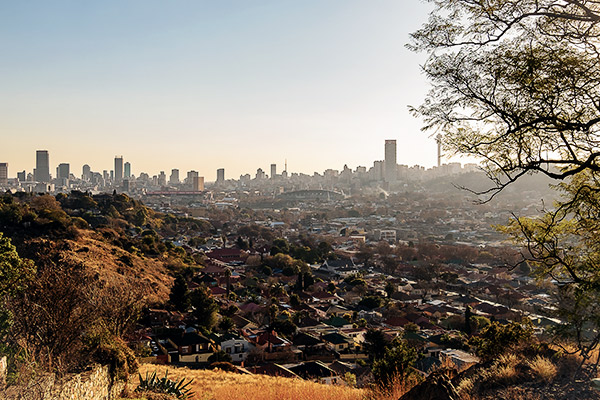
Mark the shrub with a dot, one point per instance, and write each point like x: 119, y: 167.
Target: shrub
x: 165, y: 385
x: 542, y: 368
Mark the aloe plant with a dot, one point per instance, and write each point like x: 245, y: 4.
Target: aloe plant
x: 152, y: 383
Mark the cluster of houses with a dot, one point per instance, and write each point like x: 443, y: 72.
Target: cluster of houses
x: 330, y: 320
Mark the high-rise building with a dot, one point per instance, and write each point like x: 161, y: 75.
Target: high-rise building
x: 3, y: 173
x: 174, y: 178
x: 190, y: 177
x: 21, y: 176
x: 63, y: 171
x: 273, y: 171
x: 438, y: 140
x: 118, y: 178
x: 127, y: 170
x: 86, y: 173
x: 390, y: 163
x: 42, y: 166
x: 221, y: 175
x: 162, y: 179
x: 198, y: 184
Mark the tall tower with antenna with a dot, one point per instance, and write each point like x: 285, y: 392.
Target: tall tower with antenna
x: 438, y: 139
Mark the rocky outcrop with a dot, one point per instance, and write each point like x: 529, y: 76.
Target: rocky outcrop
x: 438, y: 386
x: 96, y: 384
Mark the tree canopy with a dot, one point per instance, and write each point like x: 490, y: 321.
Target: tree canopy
x: 515, y: 84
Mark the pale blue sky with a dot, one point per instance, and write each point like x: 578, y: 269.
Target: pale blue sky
x: 210, y: 84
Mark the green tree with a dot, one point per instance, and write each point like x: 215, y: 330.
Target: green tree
x: 496, y: 338
x: 515, y: 83
x: 204, y: 307
x: 15, y: 272
x: 375, y: 344
x: 179, y: 295
x: 468, y: 329
x: 226, y: 324
x: 396, y: 363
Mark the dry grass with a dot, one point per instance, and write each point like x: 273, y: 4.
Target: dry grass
x: 465, y: 388
x: 504, y: 373
x: 219, y: 385
x: 543, y: 369
x: 397, y: 389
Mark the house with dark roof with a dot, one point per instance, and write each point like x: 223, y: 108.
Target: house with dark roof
x: 274, y: 369
x: 338, y: 342
x: 192, y: 347
x: 316, y: 371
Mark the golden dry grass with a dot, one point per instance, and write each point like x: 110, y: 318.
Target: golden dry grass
x: 543, y: 369
x: 219, y: 385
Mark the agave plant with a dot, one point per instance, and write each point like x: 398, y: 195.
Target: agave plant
x: 152, y: 383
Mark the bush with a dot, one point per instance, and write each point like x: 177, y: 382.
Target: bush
x: 543, y: 369
x: 151, y: 383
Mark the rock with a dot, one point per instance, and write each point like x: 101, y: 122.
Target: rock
x: 437, y: 386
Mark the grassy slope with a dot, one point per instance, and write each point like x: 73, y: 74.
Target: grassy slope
x: 104, y: 258
x: 219, y: 385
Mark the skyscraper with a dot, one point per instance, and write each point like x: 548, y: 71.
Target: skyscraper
x: 3, y: 173
x: 190, y: 177
x: 62, y: 174
x: 273, y: 171
x: 127, y: 170
x: 390, y: 163
x: 174, y: 178
x: 162, y: 179
x: 118, y: 178
x: 86, y: 173
x: 42, y: 166
x: 63, y: 171
x: 221, y: 175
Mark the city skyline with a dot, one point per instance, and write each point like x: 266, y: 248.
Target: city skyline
x: 122, y: 169
x: 238, y: 85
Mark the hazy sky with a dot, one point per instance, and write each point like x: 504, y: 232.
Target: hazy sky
x: 210, y: 84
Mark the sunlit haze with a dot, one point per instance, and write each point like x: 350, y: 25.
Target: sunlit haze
x: 201, y: 85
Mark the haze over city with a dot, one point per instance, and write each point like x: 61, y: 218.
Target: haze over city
x: 207, y: 85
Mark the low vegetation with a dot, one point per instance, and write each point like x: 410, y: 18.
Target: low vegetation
x: 220, y: 385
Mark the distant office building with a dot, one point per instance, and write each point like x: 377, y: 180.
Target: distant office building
x: 105, y: 176
x: 42, y: 166
x: 273, y: 171
x: 118, y: 178
x: 127, y: 170
x: 86, y: 173
x: 21, y: 176
x: 390, y: 164
x: 125, y: 187
x: 112, y: 175
x: 198, y: 184
x: 377, y: 170
x: 63, y: 171
x: 162, y: 179
x: 174, y: 178
x: 3, y: 173
x: 190, y: 177
x: 221, y: 175
x: 260, y: 174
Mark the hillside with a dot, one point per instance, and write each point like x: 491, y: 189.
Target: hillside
x: 220, y: 385
x: 113, y: 237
